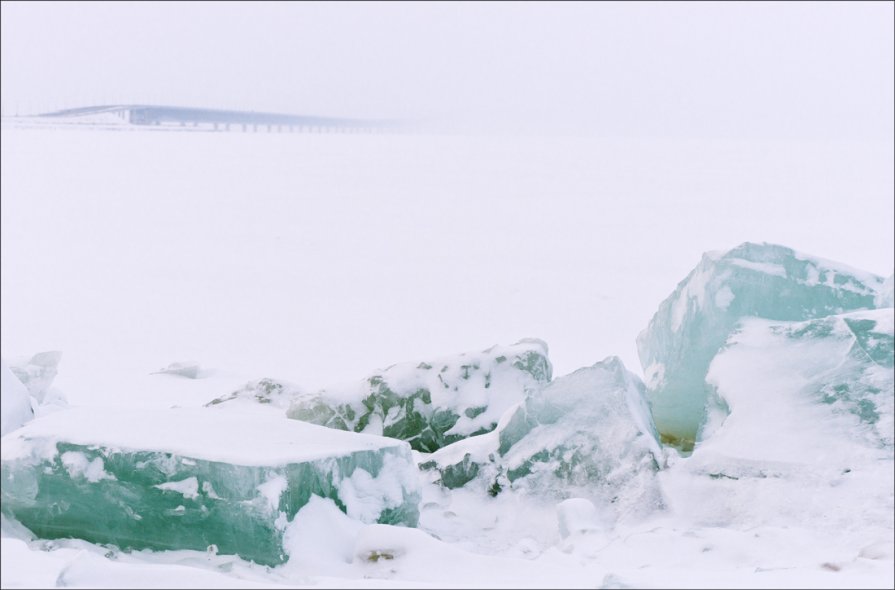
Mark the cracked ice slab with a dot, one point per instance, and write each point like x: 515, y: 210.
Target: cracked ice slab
x: 192, y: 478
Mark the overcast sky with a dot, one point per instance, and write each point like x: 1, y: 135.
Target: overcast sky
x: 807, y: 70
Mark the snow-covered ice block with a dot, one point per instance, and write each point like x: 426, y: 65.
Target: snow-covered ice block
x: 691, y: 325
x: 15, y: 402
x: 193, y: 478
x: 433, y: 404
x: 809, y: 434
x: 37, y: 374
x: 269, y: 392
x: 586, y: 434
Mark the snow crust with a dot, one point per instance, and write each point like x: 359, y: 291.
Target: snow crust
x: 191, y: 432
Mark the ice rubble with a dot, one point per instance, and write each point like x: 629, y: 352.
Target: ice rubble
x: 810, y: 427
x: 433, y: 404
x: 586, y: 434
x: 195, y: 478
x: 691, y: 325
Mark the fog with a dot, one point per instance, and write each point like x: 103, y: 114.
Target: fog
x: 729, y: 70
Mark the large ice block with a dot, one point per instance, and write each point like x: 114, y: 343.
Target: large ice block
x: 195, y: 478
x: 587, y: 434
x: 691, y: 325
x: 433, y: 404
x: 809, y: 429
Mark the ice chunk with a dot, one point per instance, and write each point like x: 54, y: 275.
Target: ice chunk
x: 191, y: 478
x: 810, y: 427
x: 270, y: 392
x: 15, y: 401
x: 432, y: 404
x: 188, y: 369
x: 692, y: 324
x: 588, y: 434
x: 38, y: 373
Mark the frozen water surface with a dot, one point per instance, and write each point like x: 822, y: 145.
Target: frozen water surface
x: 287, y: 263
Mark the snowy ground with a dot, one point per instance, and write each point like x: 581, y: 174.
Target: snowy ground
x: 317, y: 259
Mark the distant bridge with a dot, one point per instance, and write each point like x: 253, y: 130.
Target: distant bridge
x: 225, y: 119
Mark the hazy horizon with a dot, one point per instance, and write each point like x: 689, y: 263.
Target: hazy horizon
x: 723, y: 70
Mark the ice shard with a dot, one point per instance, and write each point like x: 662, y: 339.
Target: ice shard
x: 196, y: 478
x: 433, y: 404
x: 692, y: 324
x: 587, y: 434
x: 15, y: 401
x: 38, y: 373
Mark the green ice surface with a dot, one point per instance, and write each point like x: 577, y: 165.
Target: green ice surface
x: 694, y: 322
x: 432, y: 404
x: 111, y: 495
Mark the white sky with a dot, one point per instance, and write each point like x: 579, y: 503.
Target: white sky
x: 738, y: 70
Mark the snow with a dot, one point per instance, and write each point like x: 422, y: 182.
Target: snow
x: 188, y: 487
x: 762, y: 267
x: 193, y: 432
x: 78, y: 465
x: 577, y: 516
x: 365, y: 496
x: 433, y: 402
x: 723, y: 297
x: 272, y: 489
